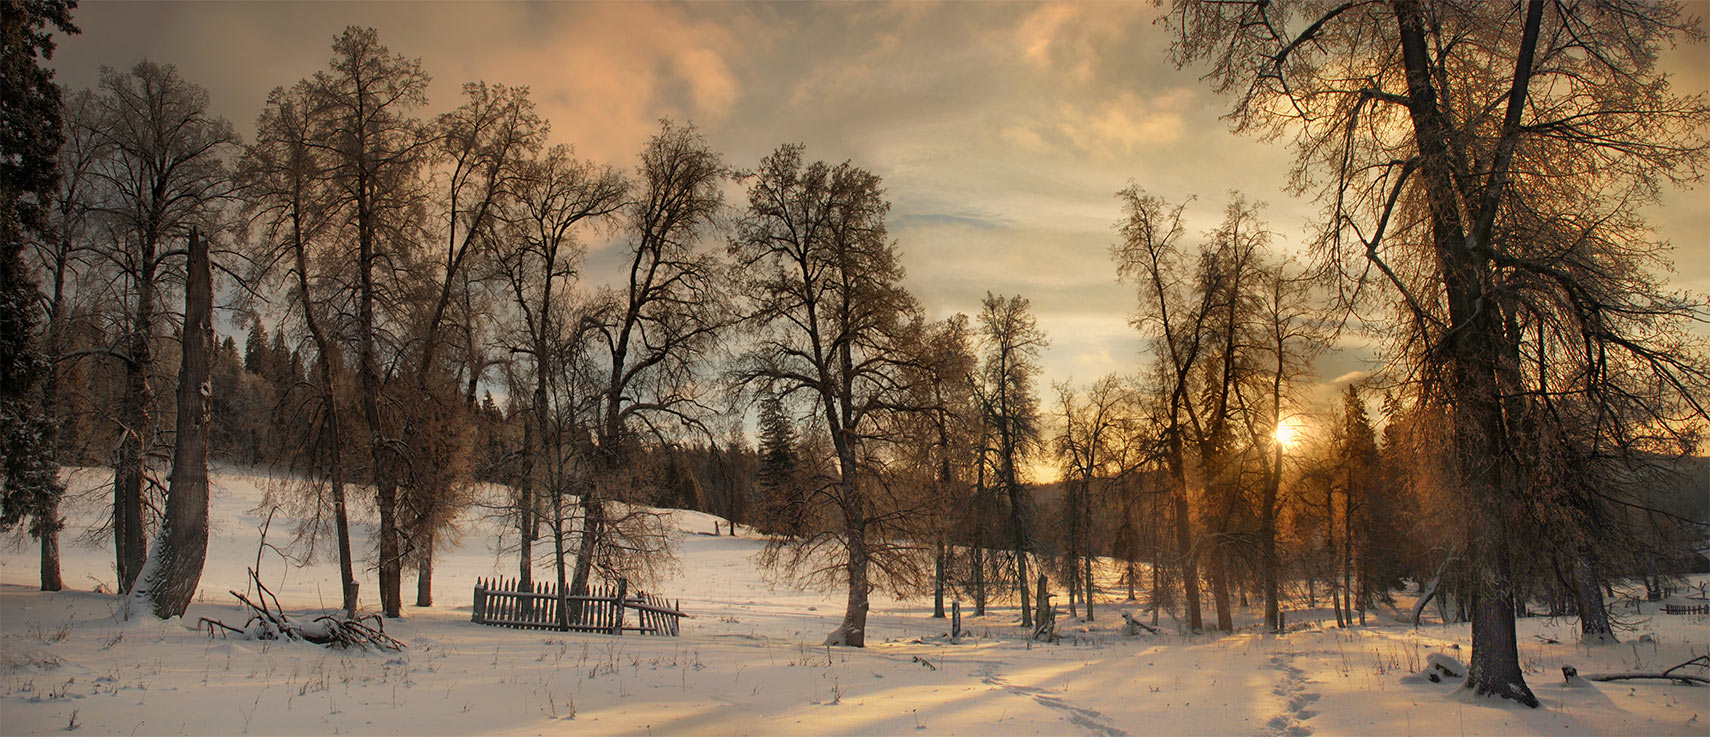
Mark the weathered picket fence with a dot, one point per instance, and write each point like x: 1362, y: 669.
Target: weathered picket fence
x: 1686, y: 608
x: 507, y: 603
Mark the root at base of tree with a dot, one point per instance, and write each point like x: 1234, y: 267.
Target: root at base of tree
x: 331, y: 630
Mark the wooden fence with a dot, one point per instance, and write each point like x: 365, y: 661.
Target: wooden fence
x: 507, y: 603
x: 1686, y: 609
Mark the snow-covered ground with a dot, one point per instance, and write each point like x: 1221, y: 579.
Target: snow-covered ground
x: 750, y: 662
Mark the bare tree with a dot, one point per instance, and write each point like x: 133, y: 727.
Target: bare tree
x: 1090, y: 445
x: 1011, y: 341
x: 289, y: 205
x: 481, y: 150
x: 62, y: 258
x: 1288, y: 332
x: 650, y: 335
x: 823, y: 287
x: 375, y: 151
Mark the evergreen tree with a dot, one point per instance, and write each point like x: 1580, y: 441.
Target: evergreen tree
x: 779, y: 474
x: 255, y: 349
x: 30, y: 135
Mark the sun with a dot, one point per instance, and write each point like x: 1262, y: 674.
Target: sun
x: 1286, y: 433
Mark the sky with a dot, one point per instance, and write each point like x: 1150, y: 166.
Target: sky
x: 1002, y: 130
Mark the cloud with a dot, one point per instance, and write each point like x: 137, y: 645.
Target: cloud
x: 613, y: 70
x: 1125, y: 123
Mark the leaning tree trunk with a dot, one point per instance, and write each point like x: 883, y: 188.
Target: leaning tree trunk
x: 169, y: 579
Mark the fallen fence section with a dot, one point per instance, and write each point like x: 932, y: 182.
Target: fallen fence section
x: 508, y: 603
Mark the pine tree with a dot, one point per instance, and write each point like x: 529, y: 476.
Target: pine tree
x: 779, y: 474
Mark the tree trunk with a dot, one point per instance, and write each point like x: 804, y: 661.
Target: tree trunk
x: 1018, y: 532
x: 181, y: 547
x: 390, y: 564
x: 1190, y: 565
x: 593, y: 520
x: 525, y: 509
x: 1588, y: 599
x: 1087, y: 561
x: 938, y: 582
x: 424, y: 572
x: 48, y: 524
x: 48, y: 533
x: 1220, y: 589
x: 558, y: 555
x: 134, y: 421
x: 978, y: 553
x: 1349, y: 594
x: 1268, y: 541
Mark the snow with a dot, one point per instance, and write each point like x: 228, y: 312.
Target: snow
x: 750, y: 662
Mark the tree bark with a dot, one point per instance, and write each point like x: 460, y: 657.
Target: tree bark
x: 938, y: 582
x: 424, y: 572
x: 1220, y: 589
x: 181, y: 547
x: 1588, y: 599
x: 525, y: 509
x: 135, y: 424
x: 1268, y: 540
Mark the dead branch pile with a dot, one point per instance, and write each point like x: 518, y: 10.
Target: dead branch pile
x: 331, y: 630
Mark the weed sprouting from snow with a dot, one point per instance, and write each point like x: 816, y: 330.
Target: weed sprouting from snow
x: 72, y: 725
x: 47, y: 634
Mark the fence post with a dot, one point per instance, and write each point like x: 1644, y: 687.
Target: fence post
x: 475, y: 614
x: 617, y: 613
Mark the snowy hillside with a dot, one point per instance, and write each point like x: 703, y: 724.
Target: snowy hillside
x: 749, y: 662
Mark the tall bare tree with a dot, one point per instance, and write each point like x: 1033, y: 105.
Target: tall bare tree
x: 375, y: 152
x: 1011, y: 340
x: 481, y: 149
x: 650, y: 337
x: 823, y: 286
x: 289, y: 205
x: 1090, y: 445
